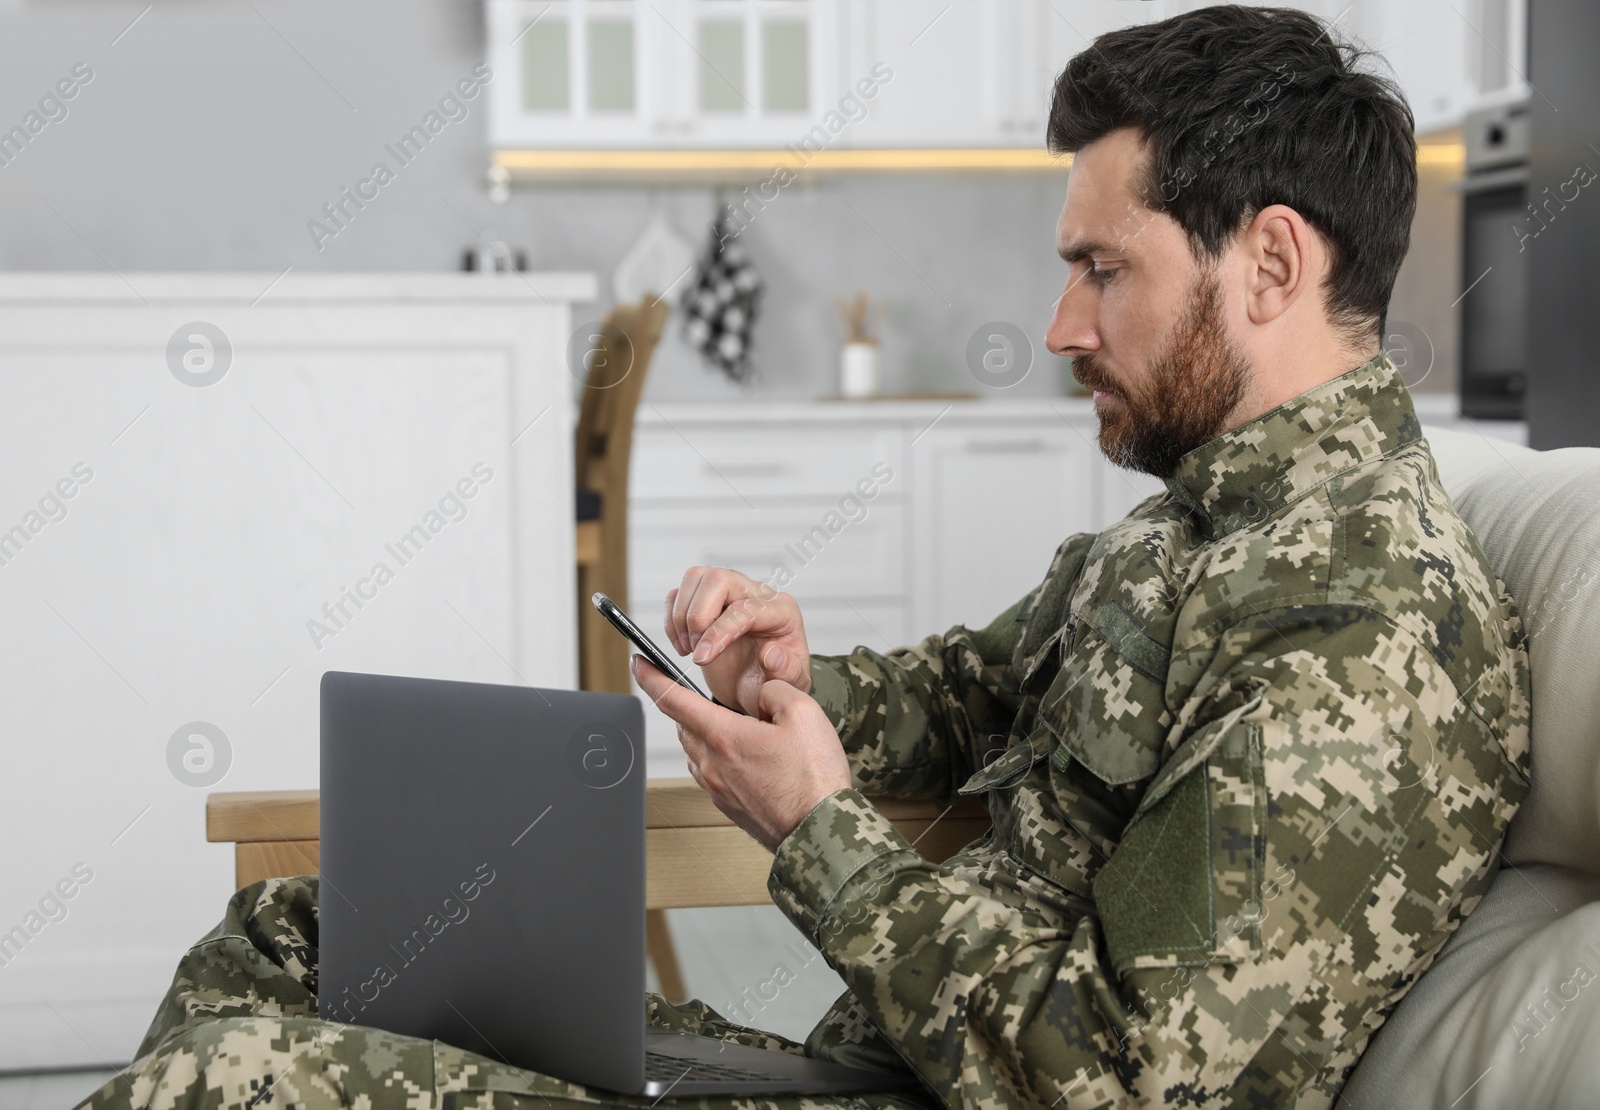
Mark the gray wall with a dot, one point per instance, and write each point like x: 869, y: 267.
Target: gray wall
x: 213, y: 132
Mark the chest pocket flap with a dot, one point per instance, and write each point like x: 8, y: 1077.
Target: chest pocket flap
x: 1107, y: 707
x: 1128, y: 638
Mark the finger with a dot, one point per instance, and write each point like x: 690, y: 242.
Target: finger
x: 762, y: 591
x: 684, y: 706
x: 778, y: 698
x: 694, y: 750
x: 735, y: 621
x: 780, y: 664
x: 692, y: 578
x: 696, y: 606
x: 762, y: 616
x: 664, y: 692
x: 694, y: 759
x: 675, y: 600
x: 714, y: 594
x: 677, y: 641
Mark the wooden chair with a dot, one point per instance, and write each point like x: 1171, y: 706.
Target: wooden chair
x: 603, y: 447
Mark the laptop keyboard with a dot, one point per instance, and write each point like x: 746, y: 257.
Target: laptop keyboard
x: 663, y: 1067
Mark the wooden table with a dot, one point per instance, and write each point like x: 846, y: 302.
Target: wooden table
x: 694, y: 856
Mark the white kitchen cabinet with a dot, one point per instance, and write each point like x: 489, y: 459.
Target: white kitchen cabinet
x: 1450, y: 57
x: 808, y: 548
x: 993, y: 501
x: 1045, y: 35
x: 718, y: 74
x: 938, y: 60
x: 271, y: 477
x: 693, y: 460
x: 598, y: 74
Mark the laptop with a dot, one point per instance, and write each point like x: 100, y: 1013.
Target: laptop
x: 482, y: 864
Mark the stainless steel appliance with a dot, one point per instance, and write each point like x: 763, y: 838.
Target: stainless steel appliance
x: 1498, y: 227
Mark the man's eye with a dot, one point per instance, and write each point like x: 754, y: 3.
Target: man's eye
x: 1101, y: 274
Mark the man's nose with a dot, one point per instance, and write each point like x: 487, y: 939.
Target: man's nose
x: 1072, y: 329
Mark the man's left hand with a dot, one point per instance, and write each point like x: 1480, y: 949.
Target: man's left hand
x: 766, y: 773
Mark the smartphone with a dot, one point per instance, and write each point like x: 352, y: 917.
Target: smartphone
x: 620, y: 621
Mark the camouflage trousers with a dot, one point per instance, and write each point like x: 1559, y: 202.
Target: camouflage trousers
x: 239, y: 1029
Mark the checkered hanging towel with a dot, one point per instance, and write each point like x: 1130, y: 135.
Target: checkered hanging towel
x: 720, y: 307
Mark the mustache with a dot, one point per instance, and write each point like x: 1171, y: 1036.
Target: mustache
x: 1091, y: 375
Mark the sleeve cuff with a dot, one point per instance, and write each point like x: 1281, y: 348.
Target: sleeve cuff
x: 831, y: 691
x: 842, y: 836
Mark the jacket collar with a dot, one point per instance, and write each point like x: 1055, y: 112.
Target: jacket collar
x: 1252, y: 472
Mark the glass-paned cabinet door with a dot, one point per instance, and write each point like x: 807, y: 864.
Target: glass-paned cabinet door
x: 721, y: 81
x: 755, y: 72
x: 658, y: 73
x: 611, y: 65
x: 571, y: 73
x: 786, y: 65
x: 754, y: 57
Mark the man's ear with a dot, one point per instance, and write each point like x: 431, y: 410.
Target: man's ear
x: 1282, y: 260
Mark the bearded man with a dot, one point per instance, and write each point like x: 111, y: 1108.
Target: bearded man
x: 1249, y: 753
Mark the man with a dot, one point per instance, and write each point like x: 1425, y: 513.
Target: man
x: 1249, y: 753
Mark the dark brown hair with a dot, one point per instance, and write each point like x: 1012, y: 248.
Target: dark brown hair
x: 1243, y: 108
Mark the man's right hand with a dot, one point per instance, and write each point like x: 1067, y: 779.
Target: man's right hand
x: 742, y: 632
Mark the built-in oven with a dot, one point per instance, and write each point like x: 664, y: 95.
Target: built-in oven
x: 1497, y: 229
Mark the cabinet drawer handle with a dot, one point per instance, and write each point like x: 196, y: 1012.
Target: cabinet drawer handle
x: 746, y: 469
x: 1006, y: 446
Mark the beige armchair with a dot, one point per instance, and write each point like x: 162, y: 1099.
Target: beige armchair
x: 1509, y: 1014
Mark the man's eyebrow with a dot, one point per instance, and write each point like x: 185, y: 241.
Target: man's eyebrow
x: 1081, y: 249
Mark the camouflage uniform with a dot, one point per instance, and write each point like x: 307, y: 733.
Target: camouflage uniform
x: 1249, y: 756
x: 238, y: 1029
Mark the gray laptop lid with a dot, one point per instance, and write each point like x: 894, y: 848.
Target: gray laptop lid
x: 451, y: 812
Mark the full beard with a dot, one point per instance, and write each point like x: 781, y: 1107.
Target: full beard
x: 1196, y: 381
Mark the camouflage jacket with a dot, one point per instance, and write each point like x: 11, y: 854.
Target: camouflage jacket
x: 1249, y: 755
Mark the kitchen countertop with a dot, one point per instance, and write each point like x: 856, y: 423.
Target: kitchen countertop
x: 826, y: 410
x: 1431, y: 408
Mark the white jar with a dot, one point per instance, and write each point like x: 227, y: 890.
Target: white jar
x: 860, y: 373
